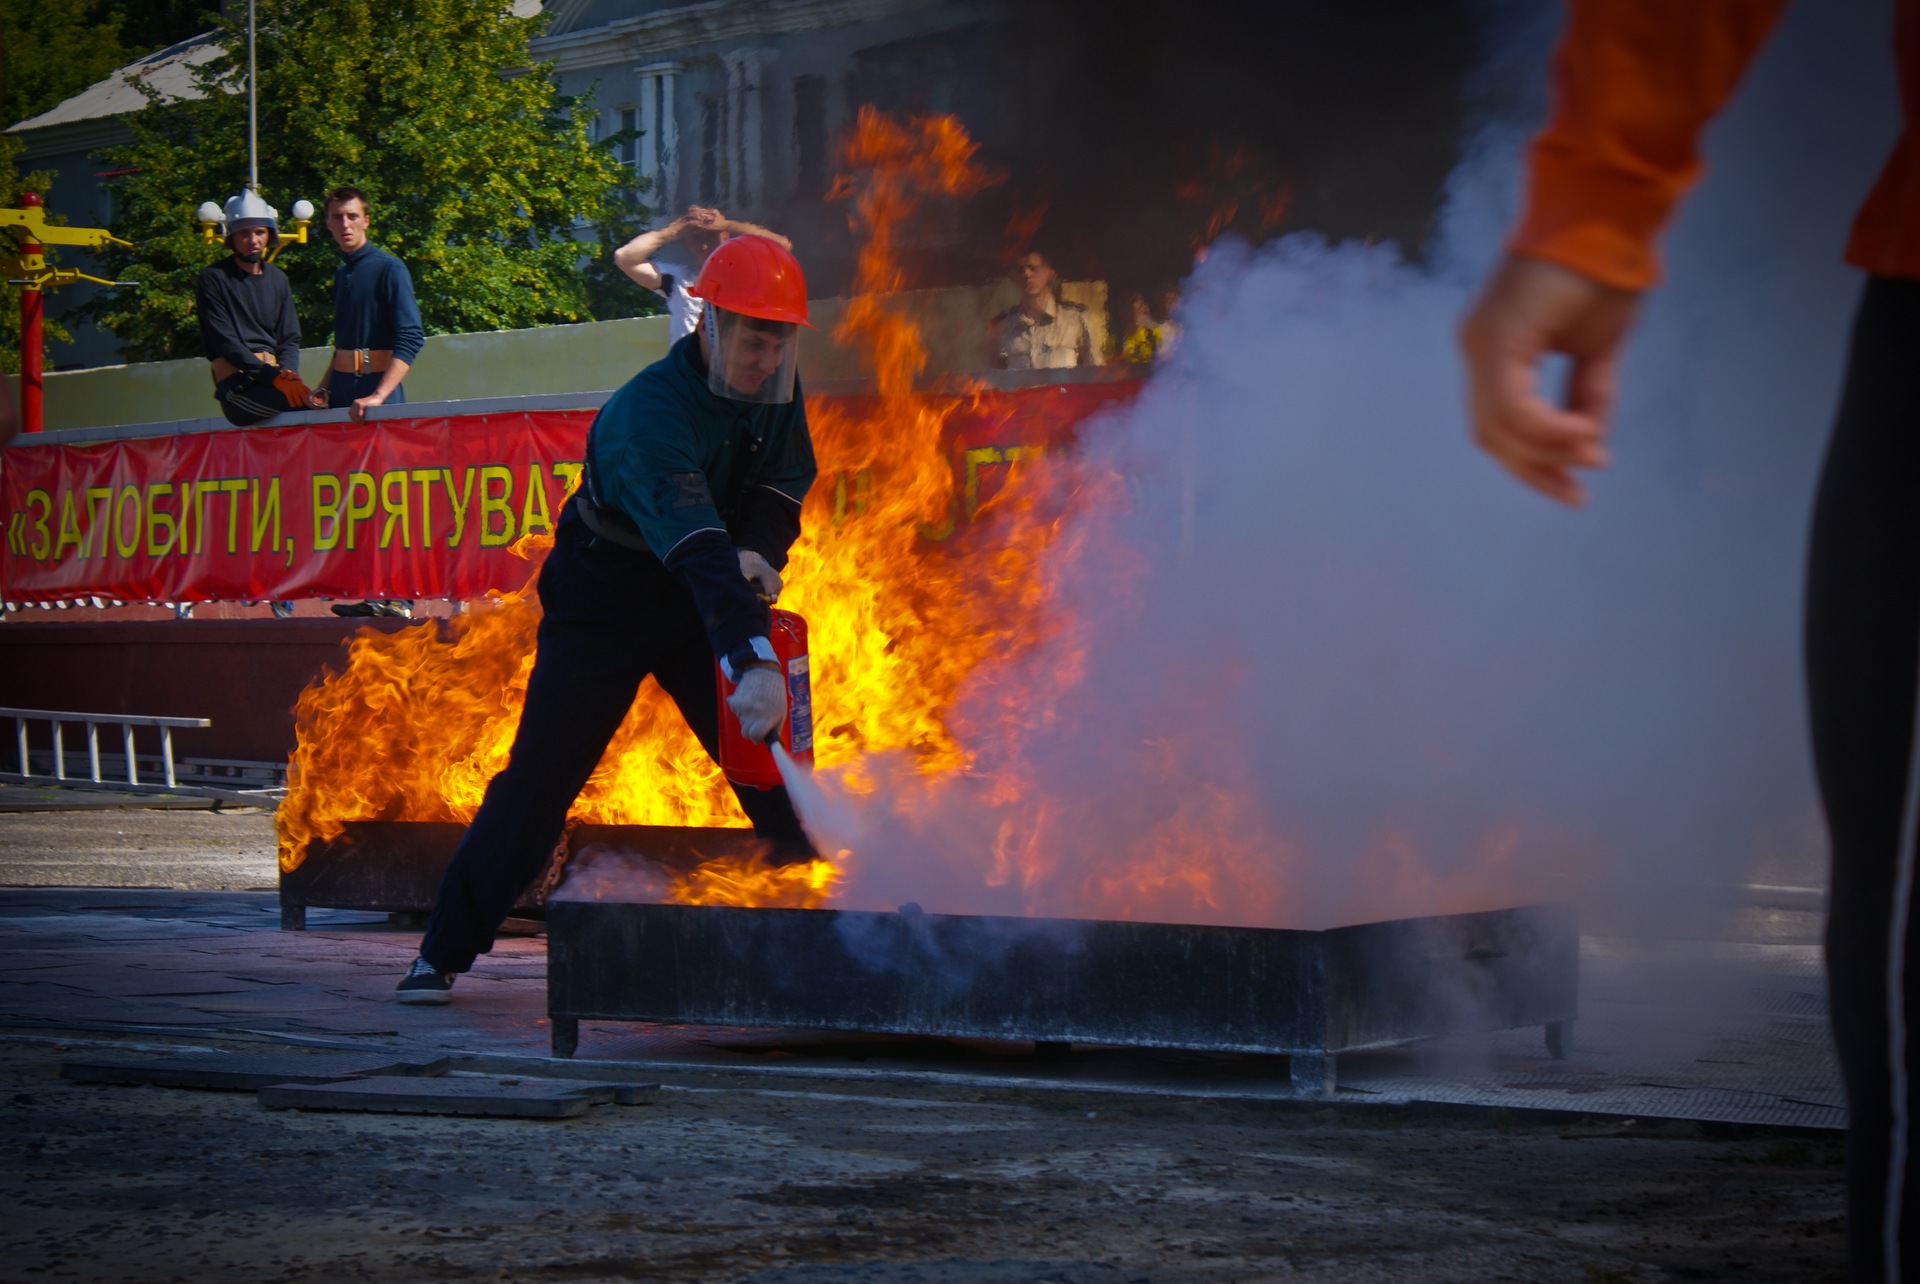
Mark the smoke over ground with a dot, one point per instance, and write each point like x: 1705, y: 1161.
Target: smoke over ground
x: 1317, y: 660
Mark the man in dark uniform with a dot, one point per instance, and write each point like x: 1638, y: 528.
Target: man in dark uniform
x: 376, y: 324
x: 248, y: 328
x: 689, y: 501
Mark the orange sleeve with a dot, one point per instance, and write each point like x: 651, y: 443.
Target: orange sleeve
x: 1635, y: 81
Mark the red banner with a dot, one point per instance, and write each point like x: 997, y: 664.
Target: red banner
x: 413, y: 508
x: 395, y: 508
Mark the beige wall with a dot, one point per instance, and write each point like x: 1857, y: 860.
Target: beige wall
x: 563, y: 358
x: 953, y: 326
x: 452, y: 367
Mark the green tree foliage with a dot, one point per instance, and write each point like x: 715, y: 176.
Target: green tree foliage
x: 52, y: 49
x: 476, y: 170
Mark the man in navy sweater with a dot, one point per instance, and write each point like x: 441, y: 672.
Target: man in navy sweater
x: 376, y: 334
x: 376, y: 324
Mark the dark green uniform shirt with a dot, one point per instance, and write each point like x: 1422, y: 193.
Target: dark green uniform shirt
x: 696, y: 476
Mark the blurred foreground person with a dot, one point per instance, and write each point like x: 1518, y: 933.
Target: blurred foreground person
x: 1636, y: 81
x: 664, y: 561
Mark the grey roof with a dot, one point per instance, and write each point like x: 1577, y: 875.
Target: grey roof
x: 170, y: 71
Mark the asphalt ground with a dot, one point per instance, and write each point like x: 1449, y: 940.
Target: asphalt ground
x: 88, y: 843
x: 777, y: 1156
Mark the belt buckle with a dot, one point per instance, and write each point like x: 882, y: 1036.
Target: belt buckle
x: 362, y: 360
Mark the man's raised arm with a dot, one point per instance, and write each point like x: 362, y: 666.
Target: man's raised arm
x: 635, y: 258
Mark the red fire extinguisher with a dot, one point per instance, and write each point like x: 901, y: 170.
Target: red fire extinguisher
x: 741, y: 760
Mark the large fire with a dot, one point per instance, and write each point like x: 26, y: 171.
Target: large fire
x: 422, y: 719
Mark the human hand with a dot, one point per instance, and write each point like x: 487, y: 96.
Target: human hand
x: 361, y: 405
x: 1527, y: 309
x: 760, y: 573
x: 759, y: 700
x: 295, y: 392
x: 704, y: 217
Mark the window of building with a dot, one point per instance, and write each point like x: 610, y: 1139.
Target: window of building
x: 627, y: 151
x: 810, y: 136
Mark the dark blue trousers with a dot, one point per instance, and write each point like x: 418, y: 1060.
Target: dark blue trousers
x: 612, y: 617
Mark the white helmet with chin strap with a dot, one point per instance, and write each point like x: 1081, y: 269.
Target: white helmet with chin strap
x: 248, y: 210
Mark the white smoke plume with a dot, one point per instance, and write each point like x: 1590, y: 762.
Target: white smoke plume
x: 1317, y: 660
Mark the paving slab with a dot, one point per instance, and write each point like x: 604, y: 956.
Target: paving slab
x: 31, y: 798
x: 949, y: 1272
x: 244, y: 1072
x: 500, y: 1098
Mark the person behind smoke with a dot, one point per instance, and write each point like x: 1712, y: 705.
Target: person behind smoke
x: 248, y: 327
x: 1145, y: 340
x: 1167, y: 298
x: 664, y: 562
x: 1042, y: 331
x: 700, y: 231
x: 1635, y: 85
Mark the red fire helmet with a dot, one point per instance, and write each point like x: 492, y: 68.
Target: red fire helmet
x: 754, y: 277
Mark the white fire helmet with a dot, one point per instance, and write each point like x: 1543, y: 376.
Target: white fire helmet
x: 248, y: 210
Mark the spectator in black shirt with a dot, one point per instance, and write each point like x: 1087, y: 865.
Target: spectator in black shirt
x: 247, y: 321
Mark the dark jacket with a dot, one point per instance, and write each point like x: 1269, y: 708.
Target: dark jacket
x: 241, y: 314
x: 373, y: 304
x: 695, y: 476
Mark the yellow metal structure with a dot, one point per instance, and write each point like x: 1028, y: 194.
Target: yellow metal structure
x: 31, y: 270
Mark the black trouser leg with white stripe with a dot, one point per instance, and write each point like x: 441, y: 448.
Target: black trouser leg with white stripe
x: 1863, y: 676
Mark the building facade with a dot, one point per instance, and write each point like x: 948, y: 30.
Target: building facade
x: 1126, y: 134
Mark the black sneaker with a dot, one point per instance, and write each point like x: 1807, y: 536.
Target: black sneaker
x: 424, y: 984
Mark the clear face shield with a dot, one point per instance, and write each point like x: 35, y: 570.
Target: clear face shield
x: 749, y: 359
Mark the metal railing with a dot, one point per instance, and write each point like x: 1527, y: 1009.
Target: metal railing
x: 93, y: 722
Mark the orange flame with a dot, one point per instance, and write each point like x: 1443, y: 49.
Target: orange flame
x: 1232, y: 183
x: 806, y: 885
x: 421, y: 719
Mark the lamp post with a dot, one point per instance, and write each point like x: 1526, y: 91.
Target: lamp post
x: 33, y: 260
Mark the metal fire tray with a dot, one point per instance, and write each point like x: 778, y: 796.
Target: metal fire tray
x: 1309, y: 995
x: 395, y: 866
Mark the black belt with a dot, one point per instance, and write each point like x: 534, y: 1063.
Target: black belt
x: 609, y: 526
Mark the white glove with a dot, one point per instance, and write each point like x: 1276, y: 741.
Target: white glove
x: 760, y: 702
x: 760, y: 573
